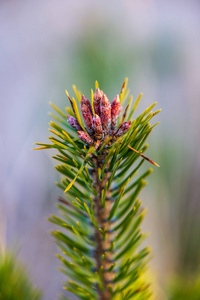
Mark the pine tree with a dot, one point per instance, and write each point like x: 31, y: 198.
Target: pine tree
x: 101, y: 214
x: 14, y: 281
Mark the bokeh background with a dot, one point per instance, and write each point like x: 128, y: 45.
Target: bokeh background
x: 45, y: 47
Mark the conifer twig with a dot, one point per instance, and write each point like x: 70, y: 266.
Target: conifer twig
x: 101, y: 217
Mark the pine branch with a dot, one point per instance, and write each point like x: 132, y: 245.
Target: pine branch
x: 101, y: 215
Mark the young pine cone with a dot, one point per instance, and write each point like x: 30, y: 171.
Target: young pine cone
x: 102, y: 124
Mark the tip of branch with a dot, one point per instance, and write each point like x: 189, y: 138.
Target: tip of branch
x: 155, y: 164
x: 67, y: 93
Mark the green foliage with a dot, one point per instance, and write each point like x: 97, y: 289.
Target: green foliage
x: 119, y: 229
x: 185, y: 288
x: 14, y: 282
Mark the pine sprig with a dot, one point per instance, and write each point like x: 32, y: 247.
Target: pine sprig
x: 101, y: 216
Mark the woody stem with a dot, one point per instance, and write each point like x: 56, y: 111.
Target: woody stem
x: 101, y: 214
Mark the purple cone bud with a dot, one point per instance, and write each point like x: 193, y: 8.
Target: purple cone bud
x: 86, y: 110
x: 96, y: 124
x: 97, y: 98
x: 105, y: 110
x: 85, y: 138
x: 123, y: 129
x: 87, y: 116
x: 73, y: 123
x: 116, y: 108
x: 85, y: 101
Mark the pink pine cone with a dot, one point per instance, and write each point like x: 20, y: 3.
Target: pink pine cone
x: 85, y: 100
x: 103, y: 123
x: 123, y: 129
x: 96, y: 124
x: 116, y: 108
x: 97, y: 98
x: 83, y: 136
x: 73, y: 123
x: 105, y: 110
x: 86, y: 110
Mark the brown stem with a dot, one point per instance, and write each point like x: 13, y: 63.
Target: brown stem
x: 101, y: 215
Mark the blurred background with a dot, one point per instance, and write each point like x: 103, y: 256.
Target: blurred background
x: 45, y: 47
